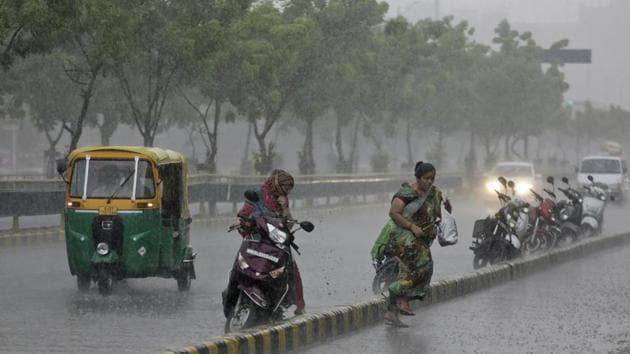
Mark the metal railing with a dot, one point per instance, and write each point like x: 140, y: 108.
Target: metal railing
x: 31, y: 197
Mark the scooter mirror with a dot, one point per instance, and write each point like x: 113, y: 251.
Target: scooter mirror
x: 251, y: 196
x: 502, y: 181
x: 590, y: 178
x: 565, y: 180
x: 307, y: 226
x: 550, y: 179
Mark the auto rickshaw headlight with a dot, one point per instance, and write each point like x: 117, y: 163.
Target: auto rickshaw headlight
x: 102, y: 248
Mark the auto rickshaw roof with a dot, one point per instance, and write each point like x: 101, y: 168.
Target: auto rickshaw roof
x: 158, y: 155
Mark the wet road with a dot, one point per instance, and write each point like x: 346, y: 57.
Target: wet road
x: 42, y: 310
x: 578, y: 307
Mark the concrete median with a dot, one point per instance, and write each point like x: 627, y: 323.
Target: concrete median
x: 312, y: 329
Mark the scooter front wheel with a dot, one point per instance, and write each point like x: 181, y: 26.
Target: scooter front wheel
x: 385, y: 275
x: 479, y: 261
x: 244, y: 316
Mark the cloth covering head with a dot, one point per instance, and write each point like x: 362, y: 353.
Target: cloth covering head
x: 281, y: 182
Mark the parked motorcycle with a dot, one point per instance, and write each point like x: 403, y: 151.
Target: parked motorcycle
x: 495, y: 238
x: 594, y: 204
x: 568, y: 213
x: 261, y: 268
x: 545, y: 224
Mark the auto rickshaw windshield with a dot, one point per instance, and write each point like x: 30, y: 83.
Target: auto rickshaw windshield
x: 121, y: 179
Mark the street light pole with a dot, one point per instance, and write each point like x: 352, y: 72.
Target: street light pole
x: 437, y: 10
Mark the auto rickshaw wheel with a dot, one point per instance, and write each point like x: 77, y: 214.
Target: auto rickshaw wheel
x: 83, y: 283
x: 184, y: 278
x: 105, y: 282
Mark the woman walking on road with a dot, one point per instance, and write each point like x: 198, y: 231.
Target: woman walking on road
x: 415, y: 210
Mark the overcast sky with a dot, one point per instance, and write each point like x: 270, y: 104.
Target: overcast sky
x: 599, y: 25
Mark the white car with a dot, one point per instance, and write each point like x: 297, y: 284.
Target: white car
x: 521, y: 173
x: 609, y: 170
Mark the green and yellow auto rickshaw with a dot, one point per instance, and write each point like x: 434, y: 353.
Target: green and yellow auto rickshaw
x: 126, y: 215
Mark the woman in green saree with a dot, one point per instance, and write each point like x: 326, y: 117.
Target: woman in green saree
x: 415, y: 210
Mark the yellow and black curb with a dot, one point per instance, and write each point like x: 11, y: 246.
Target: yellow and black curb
x: 309, y: 330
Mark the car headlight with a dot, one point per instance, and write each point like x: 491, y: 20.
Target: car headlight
x: 102, y: 248
x: 276, y: 235
x: 523, y: 187
x: 492, y: 186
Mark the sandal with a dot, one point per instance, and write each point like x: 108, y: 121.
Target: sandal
x: 391, y: 318
x: 404, y: 308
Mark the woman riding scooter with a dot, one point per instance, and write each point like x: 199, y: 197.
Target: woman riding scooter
x: 274, y: 194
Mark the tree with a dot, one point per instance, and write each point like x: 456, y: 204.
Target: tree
x: 31, y: 26
x: 273, y: 47
x: 213, y: 72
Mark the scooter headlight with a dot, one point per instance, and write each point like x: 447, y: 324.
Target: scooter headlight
x: 564, y: 217
x: 525, y: 210
x: 276, y: 235
x: 102, y: 248
x: 241, y: 262
x: 602, y: 197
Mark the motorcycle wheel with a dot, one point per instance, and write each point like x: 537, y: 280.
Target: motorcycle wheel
x: 83, y: 283
x: 479, y: 261
x: 588, y: 231
x: 533, y: 244
x: 105, y: 282
x: 548, y: 240
x: 565, y: 238
x: 244, y: 316
x: 385, y: 275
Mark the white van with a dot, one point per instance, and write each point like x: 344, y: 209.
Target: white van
x: 610, y: 170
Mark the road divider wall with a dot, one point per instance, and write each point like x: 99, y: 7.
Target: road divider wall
x: 309, y: 330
